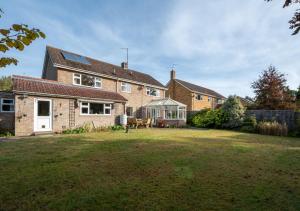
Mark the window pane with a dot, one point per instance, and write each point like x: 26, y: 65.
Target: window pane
x: 107, y: 111
x: 85, y: 104
x: 87, y: 80
x: 43, y: 108
x: 84, y: 110
x: 7, y: 108
x: 8, y: 101
x: 96, y: 108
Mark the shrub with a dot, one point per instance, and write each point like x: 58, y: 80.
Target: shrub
x: 272, y: 128
x: 6, y: 134
x: 116, y: 127
x: 209, y: 118
x: 250, y: 121
x: 233, y: 113
x: 249, y: 124
x: 75, y: 130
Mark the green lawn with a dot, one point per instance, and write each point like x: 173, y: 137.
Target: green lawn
x: 151, y: 169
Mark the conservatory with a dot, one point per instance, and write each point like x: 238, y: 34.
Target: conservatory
x: 166, y: 112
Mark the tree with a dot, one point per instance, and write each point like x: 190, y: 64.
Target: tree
x: 5, y: 83
x: 16, y: 37
x: 271, y: 91
x: 234, y: 112
x: 295, y: 21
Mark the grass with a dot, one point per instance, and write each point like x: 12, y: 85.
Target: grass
x: 151, y: 169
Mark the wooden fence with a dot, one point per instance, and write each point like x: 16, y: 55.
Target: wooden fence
x: 290, y: 117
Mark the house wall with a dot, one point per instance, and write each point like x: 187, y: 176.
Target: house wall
x: 181, y: 94
x: 7, y: 119
x: 202, y: 104
x: 49, y: 72
x: 24, y: 118
x: 136, y: 99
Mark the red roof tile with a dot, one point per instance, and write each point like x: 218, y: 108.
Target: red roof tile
x: 48, y: 87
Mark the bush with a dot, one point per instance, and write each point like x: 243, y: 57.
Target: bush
x: 209, y: 118
x: 249, y: 124
x: 116, y: 127
x: 233, y: 113
x: 272, y: 128
x: 6, y: 134
x: 250, y: 121
x: 75, y: 130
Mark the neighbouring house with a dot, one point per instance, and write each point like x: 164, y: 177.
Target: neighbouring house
x: 75, y: 90
x: 195, y: 97
x: 246, y: 102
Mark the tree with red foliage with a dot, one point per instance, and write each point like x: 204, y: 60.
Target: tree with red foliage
x: 271, y: 91
x: 295, y: 21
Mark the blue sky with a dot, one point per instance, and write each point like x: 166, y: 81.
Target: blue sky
x: 220, y: 44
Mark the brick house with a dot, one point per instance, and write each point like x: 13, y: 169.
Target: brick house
x: 195, y: 97
x: 75, y: 90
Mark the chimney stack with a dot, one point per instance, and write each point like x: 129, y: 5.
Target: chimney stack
x: 124, y: 65
x: 173, y: 74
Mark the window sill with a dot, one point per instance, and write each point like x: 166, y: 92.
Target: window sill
x: 93, y: 87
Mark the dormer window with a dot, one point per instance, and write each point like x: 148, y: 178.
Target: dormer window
x: 152, y: 92
x: 125, y: 87
x: 87, y: 80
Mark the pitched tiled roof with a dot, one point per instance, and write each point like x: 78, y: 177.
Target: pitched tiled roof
x: 48, y: 87
x: 102, y: 68
x: 199, y: 89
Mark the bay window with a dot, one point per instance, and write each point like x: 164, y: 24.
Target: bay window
x: 7, y: 105
x: 152, y: 92
x: 91, y: 108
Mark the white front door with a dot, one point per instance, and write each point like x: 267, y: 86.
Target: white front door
x: 42, y: 115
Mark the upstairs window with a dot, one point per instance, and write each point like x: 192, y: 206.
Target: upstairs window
x: 125, y: 87
x: 7, y: 105
x: 199, y: 97
x: 76, y: 79
x: 88, y: 108
x: 152, y: 92
x: 86, y: 80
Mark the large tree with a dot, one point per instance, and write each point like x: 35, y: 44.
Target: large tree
x: 271, y: 91
x: 295, y: 21
x: 16, y: 37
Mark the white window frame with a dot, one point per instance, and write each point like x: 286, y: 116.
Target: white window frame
x: 209, y: 99
x: 76, y: 76
x: 125, y: 87
x: 98, y: 80
x: 13, y: 104
x: 201, y: 97
x: 79, y: 76
x: 105, y: 106
x: 148, y: 92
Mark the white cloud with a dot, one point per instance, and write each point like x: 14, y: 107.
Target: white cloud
x: 230, y: 37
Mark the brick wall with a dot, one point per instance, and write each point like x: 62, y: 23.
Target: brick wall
x: 7, y: 119
x: 136, y: 99
x: 179, y: 93
x: 24, y: 118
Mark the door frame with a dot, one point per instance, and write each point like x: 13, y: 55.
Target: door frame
x: 36, y: 100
